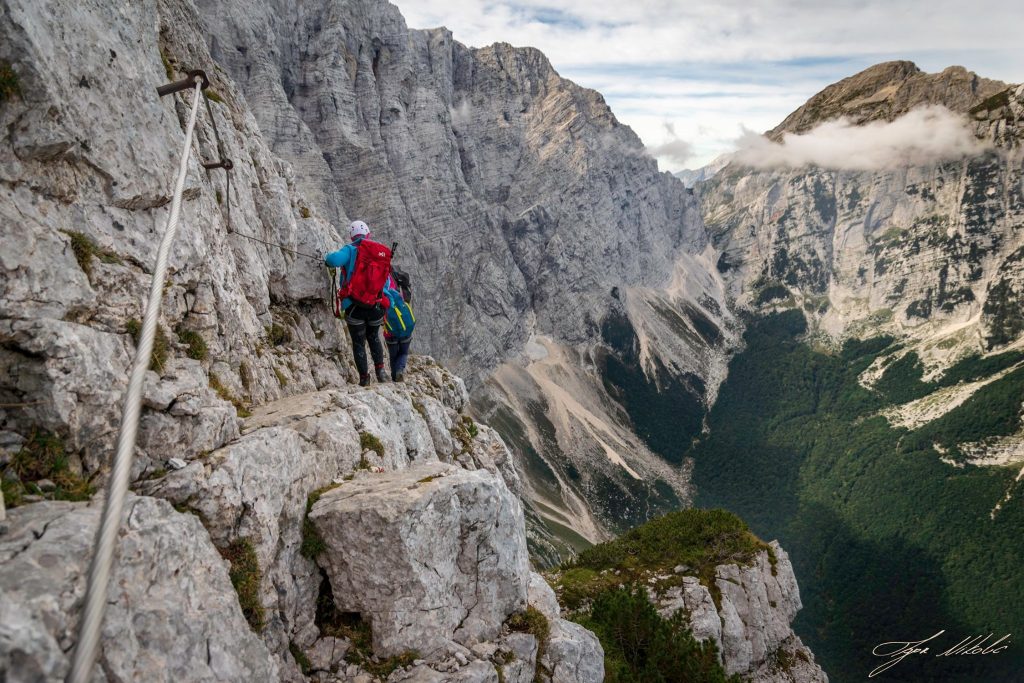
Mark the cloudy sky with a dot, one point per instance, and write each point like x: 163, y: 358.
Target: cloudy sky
x: 688, y: 76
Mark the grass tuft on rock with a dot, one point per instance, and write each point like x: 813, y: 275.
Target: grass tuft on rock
x: 464, y: 432
x: 420, y: 408
x: 86, y: 251
x: 168, y: 66
x: 196, y: 345
x: 9, y: 83
x: 278, y: 334
x: 42, y: 456
x: 312, y: 542
x: 534, y: 622
x: 500, y: 661
x: 369, y: 442
x: 245, y: 577
x: 300, y: 658
x: 245, y: 375
x: 161, y: 344
x: 224, y: 393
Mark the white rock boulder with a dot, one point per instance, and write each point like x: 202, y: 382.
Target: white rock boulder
x: 430, y: 554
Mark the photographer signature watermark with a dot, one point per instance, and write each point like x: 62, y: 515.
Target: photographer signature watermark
x: 896, y: 651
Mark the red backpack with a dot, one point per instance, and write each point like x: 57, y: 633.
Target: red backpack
x: 373, y: 265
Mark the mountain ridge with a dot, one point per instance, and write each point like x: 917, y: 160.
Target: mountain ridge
x: 886, y: 91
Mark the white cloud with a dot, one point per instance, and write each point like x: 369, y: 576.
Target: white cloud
x: 923, y: 136
x: 675, y: 150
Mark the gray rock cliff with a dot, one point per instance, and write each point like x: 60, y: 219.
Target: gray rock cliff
x: 519, y: 200
x: 927, y: 254
x: 250, y: 387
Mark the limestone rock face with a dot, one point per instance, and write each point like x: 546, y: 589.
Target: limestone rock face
x: 172, y: 614
x: 84, y: 197
x: 429, y: 554
x: 751, y: 622
x: 509, y: 188
x: 256, y: 487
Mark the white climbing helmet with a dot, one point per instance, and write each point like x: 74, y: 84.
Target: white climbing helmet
x: 358, y: 229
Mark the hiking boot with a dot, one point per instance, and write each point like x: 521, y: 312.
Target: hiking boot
x: 364, y: 380
x: 400, y: 376
x: 382, y: 376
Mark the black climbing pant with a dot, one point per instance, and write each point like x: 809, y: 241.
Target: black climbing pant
x: 364, y: 327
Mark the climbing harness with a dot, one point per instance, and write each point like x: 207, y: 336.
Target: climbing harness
x: 106, y: 538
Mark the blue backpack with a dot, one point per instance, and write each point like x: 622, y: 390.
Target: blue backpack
x: 400, y: 320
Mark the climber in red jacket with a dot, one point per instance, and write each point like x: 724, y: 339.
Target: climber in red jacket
x: 365, y: 267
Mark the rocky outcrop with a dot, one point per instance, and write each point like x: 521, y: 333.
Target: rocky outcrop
x: 257, y: 487
x: 429, y: 554
x: 749, y: 618
x: 458, y: 540
x: 172, y: 614
x: 435, y: 559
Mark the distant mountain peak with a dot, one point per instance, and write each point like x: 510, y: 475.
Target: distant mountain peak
x: 888, y: 90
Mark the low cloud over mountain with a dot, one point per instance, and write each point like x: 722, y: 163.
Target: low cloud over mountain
x: 923, y: 136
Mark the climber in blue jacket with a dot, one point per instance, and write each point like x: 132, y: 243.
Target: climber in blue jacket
x: 398, y: 326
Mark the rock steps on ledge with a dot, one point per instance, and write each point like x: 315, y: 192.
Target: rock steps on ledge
x: 255, y: 489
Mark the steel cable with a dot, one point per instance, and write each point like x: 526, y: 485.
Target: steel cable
x: 91, y: 622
